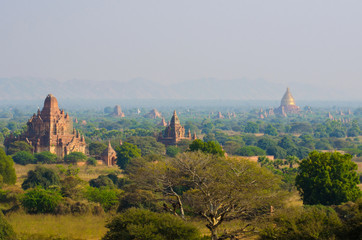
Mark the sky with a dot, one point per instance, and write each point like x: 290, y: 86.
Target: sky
x: 312, y: 42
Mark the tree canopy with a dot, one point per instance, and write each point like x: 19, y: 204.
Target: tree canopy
x: 217, y: 189
x: 328, y: 178
x: 125, y: 153
x: 206, y: 147
x: 41, y: 176
x: 7, y: 171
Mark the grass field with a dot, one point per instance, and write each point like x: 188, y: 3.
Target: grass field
x: 87, y: 227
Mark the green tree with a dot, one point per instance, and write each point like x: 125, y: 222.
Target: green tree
x: 40, y: 200
x: 172, y: 151
x: 217, y: 189
x: 327, y: 178
x: 250, y: 151
x: 75, y: 157
x: 46, y: 157
x: 107, y: 198
x: 91, y: 161
x: 102, y: 181
x: 271, y: 130
x: 143, y: 224
x: 7, y: 171
x: 266, y: 142
x: 24, y: 158
x: 277, y: 152
x: 288, y: 145
x: 96, y: 148
x: 206, y: 147
x: 147, y: 145
x: 251, y: 127
x: 41, y: 176
x: 18, y: 146
x: 125, y: 153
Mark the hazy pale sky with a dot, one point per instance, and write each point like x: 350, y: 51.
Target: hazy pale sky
x: 170, y: 41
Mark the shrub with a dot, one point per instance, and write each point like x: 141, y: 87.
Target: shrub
x: 7, y: 171
x: 75, y: 157
x: 24, y: 158
x: 6, y: 230
x: 73, y: 187
x: 108, y: 198
x: 172, y: 151
x: 69, y: 206
x: 144, y: 224
x: 101, y: 181
x: 18, y: 146
x: 91, y: 161
x: 311, y: 222
x: 40, y: 200
x: 41, y: 176
x: 46, y: 157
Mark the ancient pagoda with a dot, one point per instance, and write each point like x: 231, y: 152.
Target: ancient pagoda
x: 109, y: 156
x: 174, y: 132
x: 287, y: 105
x: 52, y: 130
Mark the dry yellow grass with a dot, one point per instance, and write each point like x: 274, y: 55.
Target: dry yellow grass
x: 74, y: 227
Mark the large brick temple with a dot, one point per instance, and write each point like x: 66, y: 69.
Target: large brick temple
x: 52, y: 130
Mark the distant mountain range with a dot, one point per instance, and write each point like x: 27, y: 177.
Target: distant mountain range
x: 203, y: 89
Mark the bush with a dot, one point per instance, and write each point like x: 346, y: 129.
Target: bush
x: 91, y: 161
x: 41, y: 176
x: 18, y: 146
x: 69, y: 206
x: 7, y: 171
x: 172, y: 151
x: 75, y: 157
x: 108, y: 198
x: 6, y: 230
x: 102, y: 181
x: 24, y: 158
x: 73, y: 187
x: 311, y: 222
x: 40, y: 200
x: 46, y: 157
x: 144, y: 224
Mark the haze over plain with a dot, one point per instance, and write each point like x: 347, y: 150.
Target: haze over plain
x: 183, y: 50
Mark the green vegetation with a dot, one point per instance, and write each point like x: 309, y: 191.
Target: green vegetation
x: 40, y: 200
x: 328, y: 178
x: 125, y: 153
x: 75, y: 157
x: 7, y: 171
x: 24, y: 158
x: 41, y: 176
x: 144, y: 224
x: 200, y: 187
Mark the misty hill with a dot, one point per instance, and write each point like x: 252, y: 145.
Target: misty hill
x: 240, y: 89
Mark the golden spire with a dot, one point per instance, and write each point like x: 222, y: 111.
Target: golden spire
x: 287, y: 99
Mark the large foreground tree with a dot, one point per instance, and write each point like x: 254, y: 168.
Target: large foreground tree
x: 217, y: 189
x: 328, y: 178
